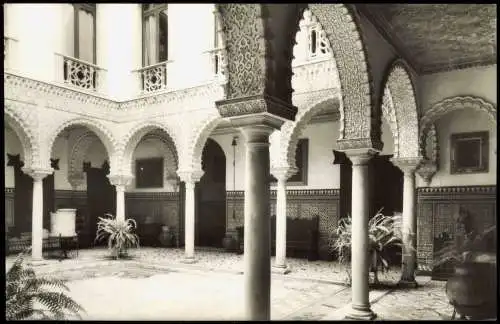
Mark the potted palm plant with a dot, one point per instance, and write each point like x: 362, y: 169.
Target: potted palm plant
x: 472, y: 287
x: 382, y: 235
x: 28, y: 297
x: 119, y: 234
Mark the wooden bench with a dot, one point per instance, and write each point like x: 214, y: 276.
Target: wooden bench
x: 302, y: 236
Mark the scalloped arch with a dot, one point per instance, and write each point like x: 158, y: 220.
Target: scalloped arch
x: 168, y: 150
x: 448, y: 105
x: 198, y: 140
x: 24, y: 132
x: 390, y: 117
x: 291, y: 131
x: 101, y: 131
x: 78, y: 154
x: 129, y: 142
x: 345, y: 37
x: 404, y: 104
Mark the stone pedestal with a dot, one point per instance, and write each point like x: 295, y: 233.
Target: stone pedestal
x: 360, y: 306
x: 409, y: 222
x: 37, y: 214
x: 120, y: 182
x: 190, y: 178
x: 282, y: 174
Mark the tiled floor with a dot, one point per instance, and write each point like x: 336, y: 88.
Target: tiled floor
x: 157, y: 285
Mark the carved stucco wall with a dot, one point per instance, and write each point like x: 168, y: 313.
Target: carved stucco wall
x: 399, y: 106
x: 341, y: 26
x: 23, y: 121
x: 249, y: 72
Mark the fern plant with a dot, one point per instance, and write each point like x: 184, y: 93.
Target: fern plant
x: 30, y: 297
x: 381, y: 234
x: 119, y: 233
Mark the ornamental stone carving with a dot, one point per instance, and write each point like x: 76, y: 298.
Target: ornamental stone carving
x: 23, y: 121
x: 452, y: 104
x: 430, y: 152
x: 60, y: 122
x: 198, y: 139
x: 244, y: 27
x: 259, y: 104
x: 403, y: 97
x: 342, y: 30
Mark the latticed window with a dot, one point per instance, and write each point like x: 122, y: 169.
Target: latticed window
x: 317, y: 43
x: 155, y: 32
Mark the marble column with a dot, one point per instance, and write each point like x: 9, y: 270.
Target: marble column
x: 409, y: 222
x: 120, y: 182
x: 37, y: 213
x: 257, y: 241
x: 360, y: 305
x: 190, y: 179
x: 282, y: 174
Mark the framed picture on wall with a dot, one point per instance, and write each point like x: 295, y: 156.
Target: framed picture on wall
x: 469, y: 152
x: 301, y: 158
x: 149, y: 173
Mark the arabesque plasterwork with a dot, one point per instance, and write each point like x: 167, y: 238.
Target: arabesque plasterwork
x: 402, y: 103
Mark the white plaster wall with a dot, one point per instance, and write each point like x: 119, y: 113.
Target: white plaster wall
x: 477, y: 81
x: 379, y: 54
x: 387, y: 139
x: 458, y: 122
x: 12, y: 146
x: 149, y: 149
x: 191, y: 34
x: 119, y: 47
x: 61, y: 151
x: 46, y: 29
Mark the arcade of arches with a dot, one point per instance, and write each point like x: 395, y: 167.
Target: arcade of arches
x: 329, y: 117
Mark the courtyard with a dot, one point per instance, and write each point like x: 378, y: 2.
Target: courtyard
x: 156, y: 285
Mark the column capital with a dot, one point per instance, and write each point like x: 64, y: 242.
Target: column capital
x: 426, y: 170
x: 407, y: 165
x: 120, y: 180
x: 190, y: 176
x: 360, y: 156
x: 283, y: 173
x: 38, y: 174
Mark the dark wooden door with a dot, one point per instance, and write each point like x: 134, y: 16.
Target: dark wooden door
x: 345, y: 164
x: 386, y: 186
x: 101, y: 199
x: 211, y: 197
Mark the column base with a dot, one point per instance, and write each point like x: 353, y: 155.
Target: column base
x: 37, y: 262
x: 280, y: 269
x: 407, y: 283
x: 360, y: 314
x: 189, y: 260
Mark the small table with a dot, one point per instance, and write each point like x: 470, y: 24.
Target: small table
x: 66, y: 245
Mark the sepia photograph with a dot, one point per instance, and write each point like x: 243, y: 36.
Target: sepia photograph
x: 250, y: 161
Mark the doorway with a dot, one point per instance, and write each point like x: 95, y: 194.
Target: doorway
x: 211, y: 197
x: 101, y: 199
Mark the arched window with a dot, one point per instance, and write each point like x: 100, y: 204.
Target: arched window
x: 85, y: 32
x: 313, y: 42
x: 155, y: 33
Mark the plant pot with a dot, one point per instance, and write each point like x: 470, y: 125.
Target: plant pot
x: 229, y: 243
x: 166, y: 237
x: 471, y: 290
